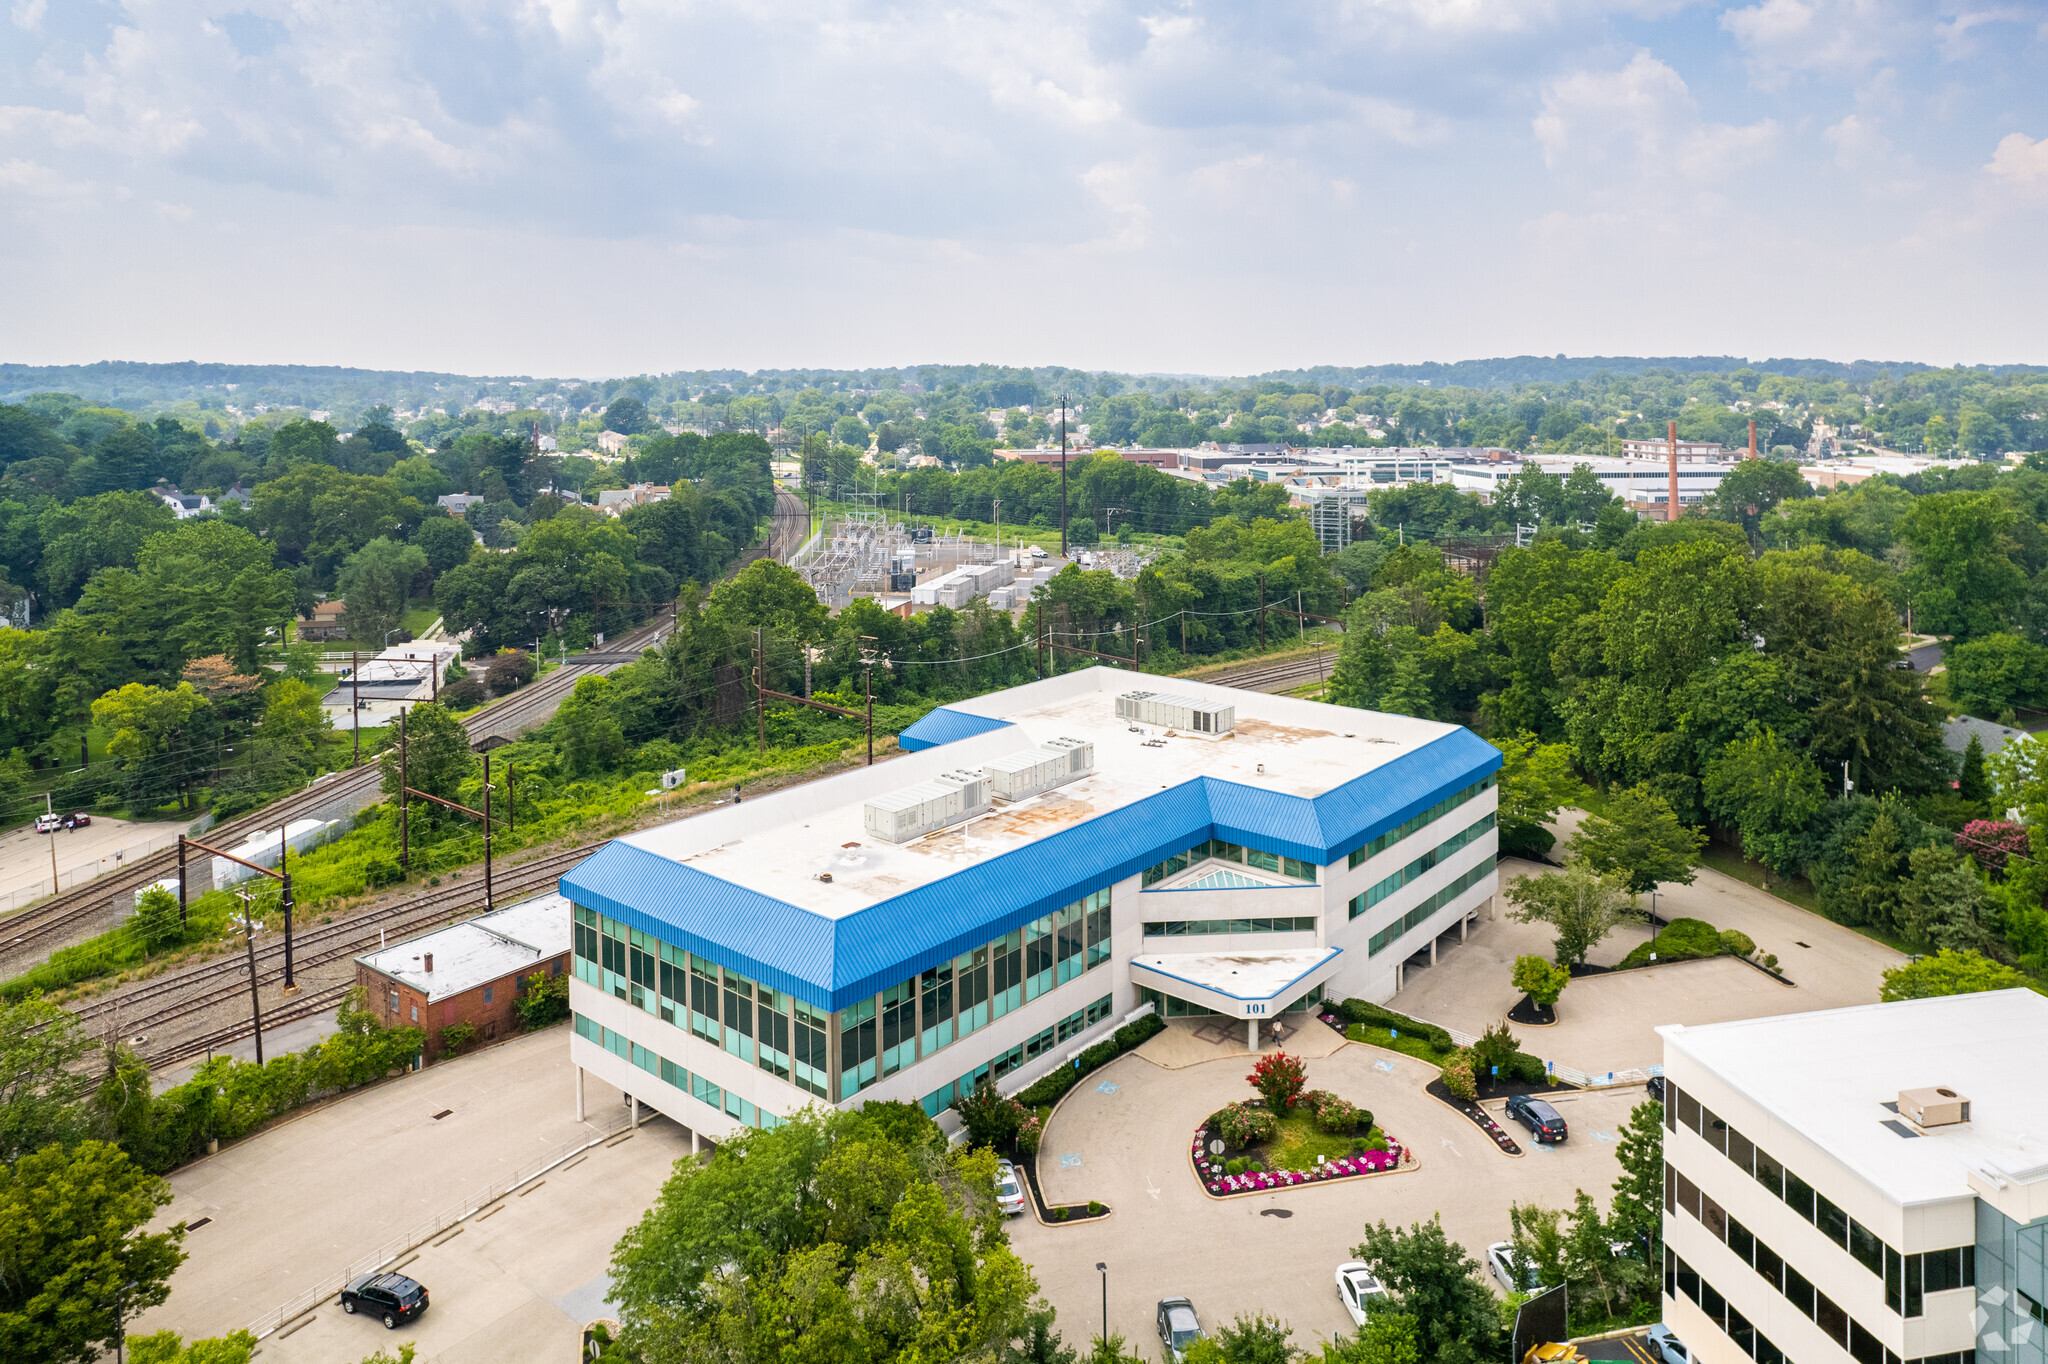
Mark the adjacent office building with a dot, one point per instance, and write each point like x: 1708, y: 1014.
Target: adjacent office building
x: 1864, y: 1184
x: 1047, y: 862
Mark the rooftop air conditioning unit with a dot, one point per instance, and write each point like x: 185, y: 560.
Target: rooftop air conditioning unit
x: 1176, y: 712
x: 948, y: 798
x: 1935, y: 1107
x: 1016, y: 776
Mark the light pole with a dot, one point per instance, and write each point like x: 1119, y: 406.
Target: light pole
x: 1103, y: 1269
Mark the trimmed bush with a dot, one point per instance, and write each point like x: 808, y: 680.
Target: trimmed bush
x: 1685, y: 940
x: 1337, y: 1116
x: 1737, y: 943
x: 1243, y: 1123
x: 1457, y: 1076
x: 1373, y: 1016
x: 1048, y: 1088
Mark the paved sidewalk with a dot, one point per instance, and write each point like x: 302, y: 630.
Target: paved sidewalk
x: 1165, y: 1236
x: 312, y: 1194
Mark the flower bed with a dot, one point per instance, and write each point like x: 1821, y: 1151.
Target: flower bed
x: 1210, y: 1169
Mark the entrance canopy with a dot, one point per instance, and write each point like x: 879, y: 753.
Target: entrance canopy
x: 1237, y: 984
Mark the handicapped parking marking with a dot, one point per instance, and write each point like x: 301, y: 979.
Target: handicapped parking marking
x: 1387, y: 1066
x: 1068, y: 1162
x: 1105, y: 1088
x: 1603, y: 1136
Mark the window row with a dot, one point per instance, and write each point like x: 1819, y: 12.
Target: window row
x: 674, y: 1076
x: 1682, y: 1280
x: 1229, y: 852
x: 1907, y: 1278
x: 993, y: 1070
x: 1172, y: 1006
x: 762, y: 1026
x: 1415, y: 917
x: 1770, y: 1266
x: 1195, y: 928
x: 1409, y: 826
x: 1374, y: 894
x: 929, y: 1012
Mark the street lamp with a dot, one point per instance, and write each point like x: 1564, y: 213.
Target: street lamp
x: 1103, y: 1270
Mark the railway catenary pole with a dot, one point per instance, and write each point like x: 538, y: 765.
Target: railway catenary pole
x: 404, y: 805
x: 355, y: 705
x: 255, y: 999
x: 181, y: 881
x: 291, y: 986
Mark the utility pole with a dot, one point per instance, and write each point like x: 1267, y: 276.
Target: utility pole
x: 355, y: 704
x: 255, y: 1000
x: 1262, y: 610
x: 487, y: 838
x: 760, y: 701
x: 284, y: 849
x: 404, y: 805
x: 181, y: 881
x: 50, y: 809
x: 1063, y: 475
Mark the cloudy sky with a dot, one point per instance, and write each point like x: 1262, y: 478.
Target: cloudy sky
x: 606, y: 186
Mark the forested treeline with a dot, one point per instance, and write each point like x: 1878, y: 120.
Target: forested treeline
x: 163, y: 642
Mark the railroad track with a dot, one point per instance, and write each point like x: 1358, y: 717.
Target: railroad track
x: 221, y: 1038
x: 38, y: 925
x: 1276, y: 677
x: 42, y: 927
x: 140, y: 1011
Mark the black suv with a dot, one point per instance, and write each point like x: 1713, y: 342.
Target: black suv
x: 391, y: 1298
x: 1544, y: 1122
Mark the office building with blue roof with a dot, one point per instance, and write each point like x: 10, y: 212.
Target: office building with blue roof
x: 1041, y: 864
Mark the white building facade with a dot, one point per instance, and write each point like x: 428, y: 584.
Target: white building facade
x: 1063, y: 867
x: 1859, y: 1184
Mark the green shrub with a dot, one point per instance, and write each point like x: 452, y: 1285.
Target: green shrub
x: 1528, y: 1069
x: 1337, y: 1116
x: 458, y: 1038
x: 1094, y: 1208
x: 1243, y: 1123
x: 1378, y: 1142
x: 1059, y: 1214
x: 542, y: 1001
x: 1372, y: 1015
x: 1737, y: 943
x: 1680, y: 940
x: 1048, y: 1088
x: 1457, y: 1076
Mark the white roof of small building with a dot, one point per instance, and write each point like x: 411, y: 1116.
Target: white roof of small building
x: 1827, y: 1075
x: 513, y: 941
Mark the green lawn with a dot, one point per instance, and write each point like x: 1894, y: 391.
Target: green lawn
x: 1300, y: 1142
x: 1381, y: 1037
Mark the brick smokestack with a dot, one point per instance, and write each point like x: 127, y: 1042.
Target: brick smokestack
x: 1752, y: 440
x: 1671, y: 502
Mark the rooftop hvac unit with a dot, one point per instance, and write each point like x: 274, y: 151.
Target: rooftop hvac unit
x: 1176, y: 712
x: 1016, y: 776
x: 1934, y: 1107
x: 946, y: 799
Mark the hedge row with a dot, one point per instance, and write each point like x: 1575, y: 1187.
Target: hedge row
x: 1689, y: 940
x: 1373, y: 1016
x: 1048, y: 1088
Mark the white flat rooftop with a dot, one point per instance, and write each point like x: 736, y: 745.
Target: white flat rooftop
x: 780, y: 844
x: 1241, y: 975
x: 514, y: 940
x: 1828, y: 1074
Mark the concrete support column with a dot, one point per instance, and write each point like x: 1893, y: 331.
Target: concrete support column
x: 1251, y: 1033
x: 1464, y: 926
x: 633, y: 1104
x: 1432, y: 951
x: 693, y: 1142
x: 579, y: 1094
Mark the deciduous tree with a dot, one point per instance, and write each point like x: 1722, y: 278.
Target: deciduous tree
x: 1580, y: 905
x: 1640, y: 840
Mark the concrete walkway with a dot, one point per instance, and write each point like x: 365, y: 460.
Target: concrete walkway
x: 1122, y: 1137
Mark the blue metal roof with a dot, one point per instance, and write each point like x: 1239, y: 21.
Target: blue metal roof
x: 831, y: 963
x: 943, y: 726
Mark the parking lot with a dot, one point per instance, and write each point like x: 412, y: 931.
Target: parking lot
x: 1608, y: 1022
x: 300, y: 1201
x: 1123, y: 1136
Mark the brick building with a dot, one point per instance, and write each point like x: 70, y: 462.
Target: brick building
x: 468, y: 972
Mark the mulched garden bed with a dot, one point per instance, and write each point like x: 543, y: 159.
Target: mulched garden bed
x: 1061, y: 1213
x: 1530, y: 1014
x: 1479, y: 1116
x: 1209, y: 1169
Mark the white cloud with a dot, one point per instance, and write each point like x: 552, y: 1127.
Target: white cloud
x: 1781, y: 38
x: 1641, y: 120
x: 28, y: 14
x: 2020, y: 160
x: 1858, y: 144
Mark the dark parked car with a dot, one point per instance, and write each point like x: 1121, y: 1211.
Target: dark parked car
x: 77, y: 819
x: 1656, y: 1088
x: 1543, y: 1121
x: 391, y: 1298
